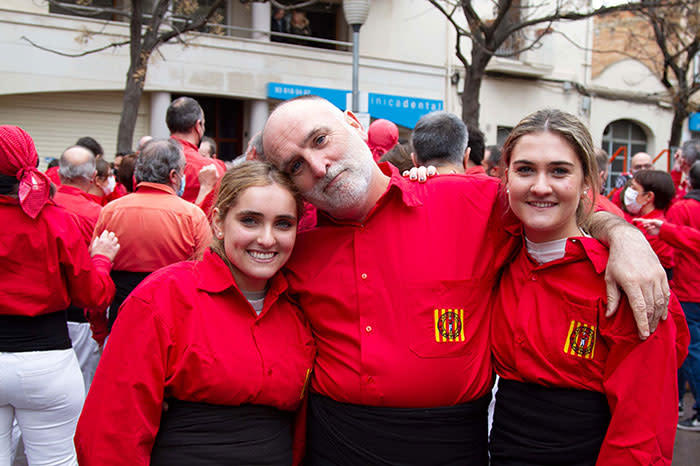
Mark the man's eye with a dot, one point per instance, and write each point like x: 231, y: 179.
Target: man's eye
x: 296, y: 167
x: 320, y: 140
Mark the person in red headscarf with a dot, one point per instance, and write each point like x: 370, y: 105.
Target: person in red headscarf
x: 382, y: 136
x: 44, y: 266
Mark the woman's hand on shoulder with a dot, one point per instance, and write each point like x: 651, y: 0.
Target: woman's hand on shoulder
x: 420, y: 173
x: 107, y: 244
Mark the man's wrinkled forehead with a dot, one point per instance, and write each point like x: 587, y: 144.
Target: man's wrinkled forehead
x: 288, y: 126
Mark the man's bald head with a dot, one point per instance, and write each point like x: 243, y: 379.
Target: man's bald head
x: 76, y: 164
x: 641, y: 161
x: 286, y: 110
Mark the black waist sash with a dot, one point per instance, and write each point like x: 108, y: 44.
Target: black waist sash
x: 536, y: 425
x: 40, y: 333
x: 341, y: 434
x: 75, y: 314
x: 124, y: 283
x: 206, y: 435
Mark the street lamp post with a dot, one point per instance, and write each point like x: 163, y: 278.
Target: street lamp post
x: 355, y: 14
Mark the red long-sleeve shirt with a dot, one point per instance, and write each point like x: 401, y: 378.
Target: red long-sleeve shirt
x: 187, y: 332
x: 396, y: 327
x: 686, y: 273
x: 549, y: 328
x: 45, y: 264
x: 663, y: 250
x: 685, y: 239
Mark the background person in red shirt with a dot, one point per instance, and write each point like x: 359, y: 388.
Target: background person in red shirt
x: 77, y: 170
x: 185, y: 120
x: 686, y: 285
x: 217, y: 339
x: 44, y: 266
x: 649, y: 195
x: 156, y: 227
x: 575, y: 375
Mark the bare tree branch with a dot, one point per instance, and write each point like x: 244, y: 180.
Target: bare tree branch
x: 75, y: 55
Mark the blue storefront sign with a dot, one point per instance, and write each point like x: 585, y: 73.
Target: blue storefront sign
x: 694, y: 121
x: 288, y: 91
x: 404, y: 111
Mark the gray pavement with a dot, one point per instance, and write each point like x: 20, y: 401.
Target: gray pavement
x: 686, y: 451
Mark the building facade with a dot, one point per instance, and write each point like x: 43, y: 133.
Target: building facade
x: 407, y: 68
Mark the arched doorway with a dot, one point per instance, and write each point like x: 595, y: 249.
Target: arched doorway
x: 622, y: 133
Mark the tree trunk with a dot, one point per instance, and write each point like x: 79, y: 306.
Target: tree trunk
x: 471, y: 93
x: 680, y: 112
x: 679, y: 117
x: 130, y: 110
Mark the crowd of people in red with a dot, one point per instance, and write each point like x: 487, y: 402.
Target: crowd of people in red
x: 314, y: 305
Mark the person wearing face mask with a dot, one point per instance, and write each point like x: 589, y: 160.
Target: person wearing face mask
x: 155, y: 225
x: 105, y: 187
x: 185, y: 120
x: 648, y: 196
x: 639, y: 162
x: 218, y: 340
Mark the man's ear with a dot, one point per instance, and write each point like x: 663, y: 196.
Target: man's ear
x: 465, y: 162
x: 413, y: 159
x: 172, y: 176
x: 352, y: 120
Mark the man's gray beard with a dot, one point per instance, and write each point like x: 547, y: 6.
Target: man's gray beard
x: 348, y: 193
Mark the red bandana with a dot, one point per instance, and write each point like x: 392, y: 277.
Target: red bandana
x: 18, y: 158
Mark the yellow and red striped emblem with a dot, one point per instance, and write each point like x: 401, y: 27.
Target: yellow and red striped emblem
x: 449, y: 325
x: 581, y: 340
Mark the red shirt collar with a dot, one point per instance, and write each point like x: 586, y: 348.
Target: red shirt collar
x: 215, y: 277
x: 146, y: 186
x: 477, y: 170
x: 579, y: 248
x: 186, y: 143
x: 73, y: 191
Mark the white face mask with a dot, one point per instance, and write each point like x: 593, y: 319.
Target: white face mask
x: 631, y: 201
x: 111, y: 183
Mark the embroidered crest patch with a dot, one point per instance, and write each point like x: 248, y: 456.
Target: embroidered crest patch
x: 449, y: 325
x: 581, y: 340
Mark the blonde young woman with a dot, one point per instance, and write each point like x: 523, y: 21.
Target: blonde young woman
x: 576, y: 387
x: 217, y: 340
